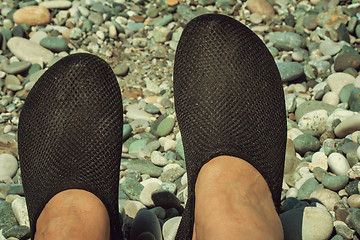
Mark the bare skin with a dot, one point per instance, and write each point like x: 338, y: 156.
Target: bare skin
x: 231, y: 203
x: 73, y: 214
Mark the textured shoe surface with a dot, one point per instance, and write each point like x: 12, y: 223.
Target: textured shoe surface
x: 70, y: 135
x: 229, y: 101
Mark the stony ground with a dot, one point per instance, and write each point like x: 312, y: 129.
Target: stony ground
x: 316, y: 47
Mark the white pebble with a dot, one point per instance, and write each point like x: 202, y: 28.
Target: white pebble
x: 294, y: 133
x: 354, y: 136
x: 358, y: 153
x: 314, y: 120
x: 7, y: 128
x: 158, y: 158
x: 112, y: 30
x: 357, y: 82
x: 8, y: 166
x: 292, y: 192
x: 331, y: 98
x: 337, y: 81
x: 170, y: 145
x: 151, y: 180
x: 317, y: 223
x: 100, y: 34
x: 348, y: 126
x: 131, y: 207
x: 319, y: 159
x: 338, y: 164
x: 146, y: 193
x: 340, y: 114
x: 297, y: 56
x: 20, y: 211
x: 170, y: 228
x: 184, y: 179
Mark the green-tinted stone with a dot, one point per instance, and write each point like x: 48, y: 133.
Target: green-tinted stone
x: 335, y: 183
x: 17, y: 67
x: 129, y: 141
x: 352, y: 158
x: 87, y: 26
x: 164, y: 20
x: 286, y: 40
x: 273, y: 50
x: 136, y: 146
x: 35, y: 76
x: 307, y: 188
x: 185, y: 12
x: 343, y: 34
x: 19, y: 232
x: 16, y: 189
x: 319, y: 173
x: 118, y: 27
x: 34, y: 68
x: 354, y: 100
x: 145, y: 167
x: 6, y: 33
x: 27, y: 3
x: 290, y: 70
x: 352, y: 187
x: 121, y: 69
x: 206, y: 2
x: 134, y: 26
x: 345, y: 93
x: 122, y: 194
x: 151, y: 108
x: 152, y: 11
x: 18, y: 31
x: 180, y: 149
x: 7, y: 217
x: 126, y: 131
x: 306, y: 143
x: 132, y: 188
x: 54, y: 44
x: 165, y: 127
x: 26, y: 27
x: 357, y: 30
x: 310, y: 106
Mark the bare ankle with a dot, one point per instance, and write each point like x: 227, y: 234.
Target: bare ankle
x: 238, y: 201
x: 73, y: 214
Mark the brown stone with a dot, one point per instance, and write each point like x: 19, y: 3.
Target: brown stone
x: 172, y: 3
x: 32, y: 15
x: 132, y: 92
x: 292, y: 116
x: 138, y: 19
x: 261, y: 7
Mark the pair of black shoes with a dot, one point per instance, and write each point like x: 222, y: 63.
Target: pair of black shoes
x: 228, y: 98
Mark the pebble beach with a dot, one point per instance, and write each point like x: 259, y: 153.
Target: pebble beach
x: 315, y: 45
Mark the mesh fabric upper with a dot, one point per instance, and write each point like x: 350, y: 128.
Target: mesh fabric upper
x: 229, y: 101
x: 70, y: 135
